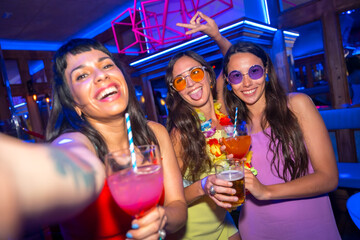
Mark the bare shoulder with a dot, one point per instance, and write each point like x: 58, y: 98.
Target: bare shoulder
x: 157, y: 127
x: 161, y: 133
x: 304, y: 109
x: 300, y: 103
x: 74, y: 139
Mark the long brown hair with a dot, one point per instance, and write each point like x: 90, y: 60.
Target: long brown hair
x: 184, y: 119
x: 286, y: 137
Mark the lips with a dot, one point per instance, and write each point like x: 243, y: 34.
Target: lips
x: 106, y: 93
x: 249, y: 92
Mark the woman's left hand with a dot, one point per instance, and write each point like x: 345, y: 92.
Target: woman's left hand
x: 147, y: 227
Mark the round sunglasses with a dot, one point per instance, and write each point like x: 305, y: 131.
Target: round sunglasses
x: 196, y: 74
x: 255, y: 72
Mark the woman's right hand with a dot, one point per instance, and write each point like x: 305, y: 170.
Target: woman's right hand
x: 210, y: 28
x: 148, y: 226
x: 223, y: 191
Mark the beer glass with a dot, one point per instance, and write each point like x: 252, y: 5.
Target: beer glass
x: 232, y: 170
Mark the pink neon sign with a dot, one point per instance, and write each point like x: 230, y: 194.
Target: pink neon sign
x: 150, y: 25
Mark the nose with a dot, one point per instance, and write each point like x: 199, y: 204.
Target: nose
x: 100, y: 75
x: 189, y: 81
x: 246, y: 80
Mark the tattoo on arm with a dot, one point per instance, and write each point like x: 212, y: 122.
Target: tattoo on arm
x: 70, y: 168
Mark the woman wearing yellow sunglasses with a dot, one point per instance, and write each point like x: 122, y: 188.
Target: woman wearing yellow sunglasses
x: 190, y: 101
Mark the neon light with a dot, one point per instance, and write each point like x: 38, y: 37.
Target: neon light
x: 201, y: 38
x: 344, y: 175
x: 29, y: 45
x: 92, y: 31
x: 19, y: 105
x: 231, y: 26
x: 291, y: 33
x: 168, y: 50
x: 112, y: 49
x: 266, y: 12
x: 260, y: 26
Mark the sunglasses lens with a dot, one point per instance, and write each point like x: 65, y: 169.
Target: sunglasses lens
x: 197, y: 74
x: 256, y: 72
x: 179, y: 83
x: 235, y: 77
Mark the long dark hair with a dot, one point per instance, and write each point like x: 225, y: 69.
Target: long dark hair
x: 286, y: 137
x: 184, y: 119
x: 63, y: 116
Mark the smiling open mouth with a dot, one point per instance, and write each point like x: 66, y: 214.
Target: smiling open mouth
x: 107, y: 93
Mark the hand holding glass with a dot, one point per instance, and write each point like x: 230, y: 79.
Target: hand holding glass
x: 232, y: 170
x: 135, y: 190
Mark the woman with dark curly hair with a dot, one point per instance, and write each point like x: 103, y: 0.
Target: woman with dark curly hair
x: 291, y: 149
x: 196, y: 124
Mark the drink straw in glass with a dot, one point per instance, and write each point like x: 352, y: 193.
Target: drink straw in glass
x: 131, y: 141
x: 236, y: 113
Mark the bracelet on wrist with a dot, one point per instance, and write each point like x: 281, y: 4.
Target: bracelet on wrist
x: 203, y: 182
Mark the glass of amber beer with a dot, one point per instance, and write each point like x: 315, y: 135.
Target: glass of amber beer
x: 232, y: 170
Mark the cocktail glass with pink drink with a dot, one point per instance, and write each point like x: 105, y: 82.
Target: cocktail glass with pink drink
x: 135, y: 190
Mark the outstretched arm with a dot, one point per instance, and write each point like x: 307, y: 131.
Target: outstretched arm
x: 48, y: 183
x: 210, y: 28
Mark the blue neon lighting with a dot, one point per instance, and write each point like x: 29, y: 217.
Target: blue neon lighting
x: 260, y: 25
x: 29, y: 45
x: 291, y: 33
x: 93, y: 30
x: 266, y: 12
x: 231, y: 26
x: 19, y: 105
x: 201, y: 38
x: 112, y: 49
x: 35, y: 66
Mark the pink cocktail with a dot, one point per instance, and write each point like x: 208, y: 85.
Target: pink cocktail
x: 137, y: 192
x: 135, y: 179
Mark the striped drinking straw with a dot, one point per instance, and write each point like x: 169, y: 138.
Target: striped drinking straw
x: 236, y: 113
x: 131, y: 142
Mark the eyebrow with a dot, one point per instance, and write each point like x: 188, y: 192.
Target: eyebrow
x: 82, y: 66
x: 180, y: 74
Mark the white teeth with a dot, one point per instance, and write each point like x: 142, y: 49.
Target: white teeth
x: 107, y: 91
x: 249, y: 92
x: 195, y: 91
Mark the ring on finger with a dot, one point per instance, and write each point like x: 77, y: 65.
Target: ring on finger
x: 212, y: 191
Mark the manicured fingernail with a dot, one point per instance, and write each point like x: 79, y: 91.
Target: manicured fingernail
x: 135, y: 226
x: 128, y: 235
